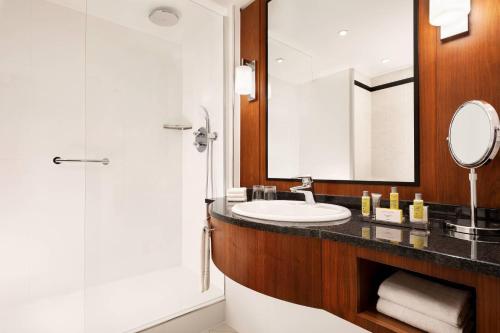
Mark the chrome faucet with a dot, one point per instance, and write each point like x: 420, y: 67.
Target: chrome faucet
x: 306, y: 188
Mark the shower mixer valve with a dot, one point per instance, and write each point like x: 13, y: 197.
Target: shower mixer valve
x: 202, y: 137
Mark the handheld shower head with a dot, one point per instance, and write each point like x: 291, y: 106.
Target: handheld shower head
x: 206, y: 116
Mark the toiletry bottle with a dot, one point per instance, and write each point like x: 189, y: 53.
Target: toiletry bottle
x: 418, y: 207
x: 394, y: 198
x: 365, y: 204
x: 375, y: 203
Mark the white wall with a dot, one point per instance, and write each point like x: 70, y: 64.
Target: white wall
x: 284, y: 124
x: 309, y: 128
x: 362, y: 125
x: 362, y: 134
x: 392, y: 146
x: 325, y: 127
x: 248, y: 311
x: 133, y: 221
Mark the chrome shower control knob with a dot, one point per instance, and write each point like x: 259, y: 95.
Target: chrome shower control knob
x: 212, y: 136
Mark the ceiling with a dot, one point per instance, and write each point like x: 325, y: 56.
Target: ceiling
x: 134, y: 14
x: 306, y: 33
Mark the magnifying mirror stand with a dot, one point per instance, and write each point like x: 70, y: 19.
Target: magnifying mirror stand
x: 473, y: 198
x: 472, y: 228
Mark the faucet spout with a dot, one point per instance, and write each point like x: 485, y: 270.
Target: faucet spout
x: 309, y: 196
x: 306, y: 188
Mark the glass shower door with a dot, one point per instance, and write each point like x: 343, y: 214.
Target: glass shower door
x: 133, y: 221
x: 42, y: 81
x: 136, y: 271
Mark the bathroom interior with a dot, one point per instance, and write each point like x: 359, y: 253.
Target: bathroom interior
x: 249, y: 166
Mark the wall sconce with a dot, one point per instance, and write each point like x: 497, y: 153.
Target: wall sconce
x: 244, y: 84
x: 451, y: 15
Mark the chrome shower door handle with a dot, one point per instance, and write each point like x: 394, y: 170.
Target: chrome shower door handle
x: 59, y: 160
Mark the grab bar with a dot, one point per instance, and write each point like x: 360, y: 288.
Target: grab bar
x: 59, y: 160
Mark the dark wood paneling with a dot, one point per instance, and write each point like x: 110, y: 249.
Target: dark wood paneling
x: 450, y: 73
x: 281, y: 266
x: 250, y: 149
x: 469, y: 68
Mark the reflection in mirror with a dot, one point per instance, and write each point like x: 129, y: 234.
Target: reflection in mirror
x: 341, y: 92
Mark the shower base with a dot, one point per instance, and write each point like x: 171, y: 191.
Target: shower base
x: 123, y: 306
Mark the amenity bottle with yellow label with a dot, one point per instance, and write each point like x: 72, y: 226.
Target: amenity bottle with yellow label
x: 394, y: 198
x: 418, y: 207
x: 365, y: 204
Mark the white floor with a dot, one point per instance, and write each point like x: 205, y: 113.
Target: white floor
x: 127, y: 305
x: 220, y: 329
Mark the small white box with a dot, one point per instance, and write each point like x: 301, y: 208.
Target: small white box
x: 424, y: 220
x: 389, y: 215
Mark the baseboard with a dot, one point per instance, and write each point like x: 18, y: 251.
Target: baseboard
x: 193, y: 322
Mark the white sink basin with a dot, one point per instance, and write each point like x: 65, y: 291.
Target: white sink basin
x: 291, y: 211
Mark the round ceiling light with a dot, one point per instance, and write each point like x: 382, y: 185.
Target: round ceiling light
x: 164, y: 17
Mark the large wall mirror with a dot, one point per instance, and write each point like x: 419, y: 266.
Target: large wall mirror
x: 343, y: 90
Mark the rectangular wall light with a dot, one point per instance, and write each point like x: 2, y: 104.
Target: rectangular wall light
x: 452, y: 16
x: 244, y: 84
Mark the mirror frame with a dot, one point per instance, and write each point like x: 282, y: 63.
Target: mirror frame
x: 416, y: 108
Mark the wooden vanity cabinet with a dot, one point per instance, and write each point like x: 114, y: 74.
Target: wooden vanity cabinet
x: 338, y: 277
x: 282, y: 266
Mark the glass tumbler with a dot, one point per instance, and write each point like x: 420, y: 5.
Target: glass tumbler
x: 269, y: 192
x: 258, y: 192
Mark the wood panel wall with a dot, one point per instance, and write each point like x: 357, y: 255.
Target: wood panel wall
x: 451, y: 73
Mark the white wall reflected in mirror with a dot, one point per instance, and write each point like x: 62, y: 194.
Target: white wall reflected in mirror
x: 330, y: 114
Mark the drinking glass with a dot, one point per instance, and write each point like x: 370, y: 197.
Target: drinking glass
x: 269, y: 192
x: 258, y: 192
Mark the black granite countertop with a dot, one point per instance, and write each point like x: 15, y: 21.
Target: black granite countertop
x: 433, y: 245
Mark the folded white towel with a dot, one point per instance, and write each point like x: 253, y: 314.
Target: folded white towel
x: 237, y: 190
x: 435, y: 300
x: 205, y: 259
x: 419, y: 320
x: 236, y: 195
x: 237, y: 198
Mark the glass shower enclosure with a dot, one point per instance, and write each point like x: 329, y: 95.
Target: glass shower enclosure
x: 101, y: 207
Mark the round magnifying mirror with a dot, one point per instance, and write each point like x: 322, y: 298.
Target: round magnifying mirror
x: 473, y: 137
